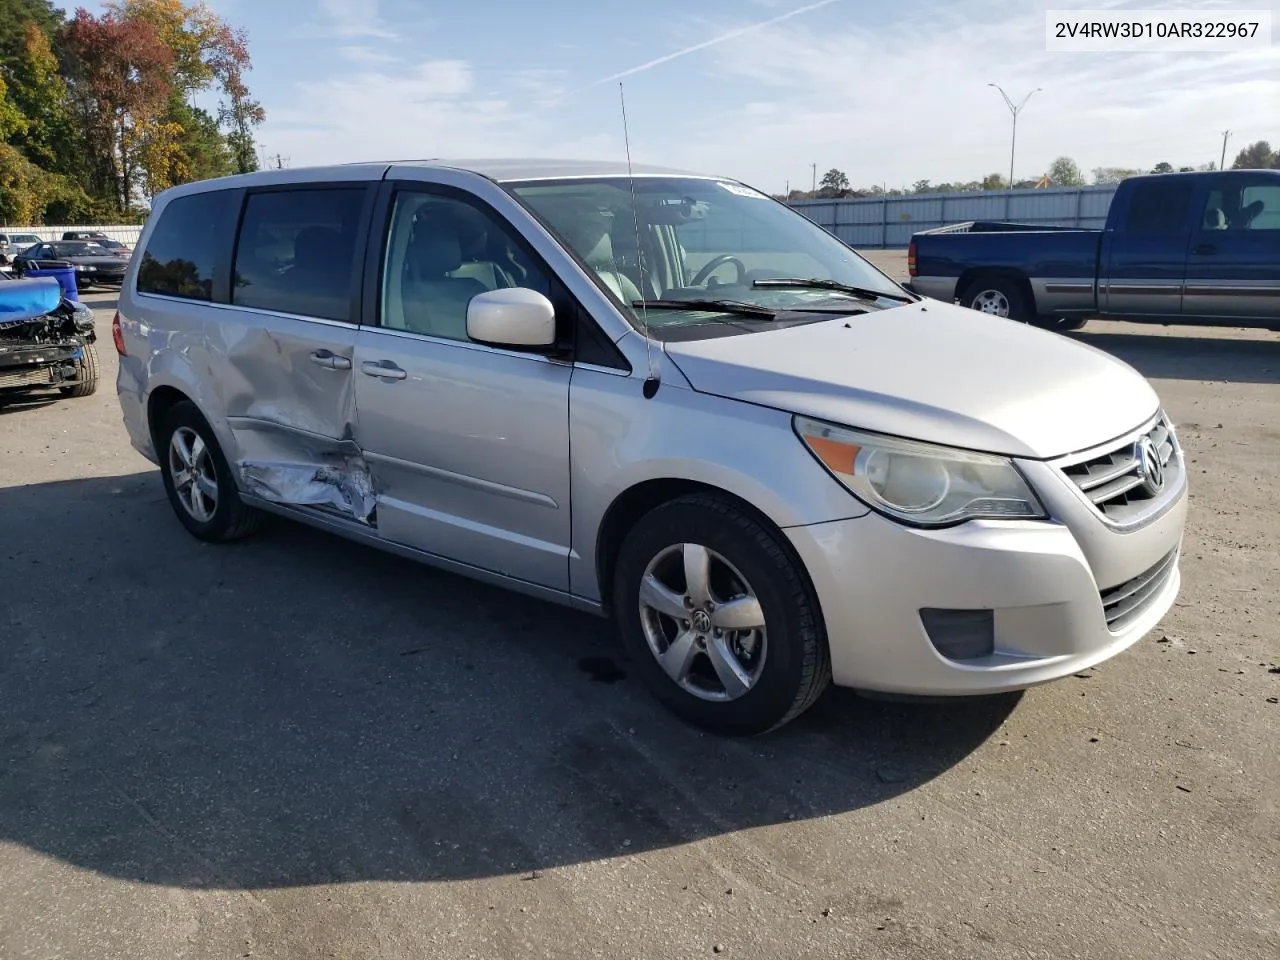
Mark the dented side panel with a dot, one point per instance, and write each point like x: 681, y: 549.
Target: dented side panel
x: 286, y: 386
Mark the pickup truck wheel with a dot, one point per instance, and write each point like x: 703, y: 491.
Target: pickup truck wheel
x: 87, y: 374
x: 997, y: 296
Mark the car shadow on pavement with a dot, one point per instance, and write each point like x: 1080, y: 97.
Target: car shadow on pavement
x: 1190, y: 357
x: 296, y: 709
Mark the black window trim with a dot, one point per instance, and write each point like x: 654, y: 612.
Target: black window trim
x: 355, y: 281
x: 573, y: 331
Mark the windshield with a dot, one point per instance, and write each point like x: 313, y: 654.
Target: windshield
x: 701, y: 239
x: 79, y: 248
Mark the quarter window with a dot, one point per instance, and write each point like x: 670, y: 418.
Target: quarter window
x: 296, y: 252
x: 440, y: 253
x: 179, y: 257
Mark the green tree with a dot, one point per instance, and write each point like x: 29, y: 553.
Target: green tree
x: 993, y: 181
x: 1162, y: 167
x: 40, y: 93
x: 921, y: 186
x: 1257, y: 156
x: 1064, y: 172
x: 833, y: 182
x: 16, y: 16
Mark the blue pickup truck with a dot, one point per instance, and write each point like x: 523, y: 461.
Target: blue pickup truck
x: 1177, y: 248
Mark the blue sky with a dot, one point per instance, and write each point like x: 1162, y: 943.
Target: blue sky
x: 889, y: 92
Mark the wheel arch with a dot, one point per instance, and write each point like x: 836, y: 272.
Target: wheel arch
x: 633, y: 503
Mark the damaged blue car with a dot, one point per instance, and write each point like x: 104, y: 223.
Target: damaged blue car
x: 46, y: 340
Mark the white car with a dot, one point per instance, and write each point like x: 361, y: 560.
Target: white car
x: 658, y: 396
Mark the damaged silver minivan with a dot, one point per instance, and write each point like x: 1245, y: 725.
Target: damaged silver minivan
x: 661, y: 396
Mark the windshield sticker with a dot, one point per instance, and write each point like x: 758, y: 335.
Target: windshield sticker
x: 738, y: 190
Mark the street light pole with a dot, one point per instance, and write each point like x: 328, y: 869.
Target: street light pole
x: 1013, y: 143
x: 1222, y: 164
x: 815, y: 177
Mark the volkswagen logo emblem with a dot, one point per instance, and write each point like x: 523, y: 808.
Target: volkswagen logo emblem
x: 1150, y: 469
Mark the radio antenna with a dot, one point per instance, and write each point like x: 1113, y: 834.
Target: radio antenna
x: 652, y: 380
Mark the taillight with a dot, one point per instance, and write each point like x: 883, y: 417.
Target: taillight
x: 911, y: 258
x: 117, y: 335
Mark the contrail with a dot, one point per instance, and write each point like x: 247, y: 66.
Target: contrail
x: 714, y: 40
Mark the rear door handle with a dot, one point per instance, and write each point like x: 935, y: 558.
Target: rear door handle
x: 1205, y: 249
x: 383, y: 369
x: 330, y: 360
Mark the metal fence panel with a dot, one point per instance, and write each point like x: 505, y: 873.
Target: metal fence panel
x: 890, y: 222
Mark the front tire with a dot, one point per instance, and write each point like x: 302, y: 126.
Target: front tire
x: 719, y: 617
x: 198, y: 479
x: 87, y: 374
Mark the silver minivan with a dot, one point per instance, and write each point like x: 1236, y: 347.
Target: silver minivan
x: 658, y: 396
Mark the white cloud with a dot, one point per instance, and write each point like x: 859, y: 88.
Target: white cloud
x: 348, y: 20
x: 366, y: 55
x: 896, y: 103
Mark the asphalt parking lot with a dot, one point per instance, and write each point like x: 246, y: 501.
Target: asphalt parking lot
x: 297, y: 747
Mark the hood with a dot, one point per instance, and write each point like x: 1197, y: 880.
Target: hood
x: 934, y: 372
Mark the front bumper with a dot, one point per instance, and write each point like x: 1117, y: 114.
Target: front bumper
x: 874, y: 577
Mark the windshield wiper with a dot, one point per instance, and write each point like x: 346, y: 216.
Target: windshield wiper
x: 815, y: 284
x: 710, y: 306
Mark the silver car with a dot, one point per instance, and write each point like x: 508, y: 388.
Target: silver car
x: 661, y: 397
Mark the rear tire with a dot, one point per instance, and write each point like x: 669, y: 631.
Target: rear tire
x: 198, y: 479
x: 87, y: 369
x: 999, y: 297
x: 722, y: 672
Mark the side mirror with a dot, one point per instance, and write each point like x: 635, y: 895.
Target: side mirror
x: 512, y: 317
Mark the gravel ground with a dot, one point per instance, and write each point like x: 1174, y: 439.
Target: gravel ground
x: 297, y: 747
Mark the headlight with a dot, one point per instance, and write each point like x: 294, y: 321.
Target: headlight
x: 81, y: 268
x: 919, y: 483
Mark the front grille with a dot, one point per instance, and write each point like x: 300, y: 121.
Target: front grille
x: 1116, y: 481
x: 34, y: 377
x: 1125, y: 603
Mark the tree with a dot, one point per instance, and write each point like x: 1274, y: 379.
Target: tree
x: 921, y: 186
x: 12, y: 120
x: 833, y: 183
x: 16, y: 16
x: 993, y: 181
x: 1162, y: 167
x: 1064, y: 172
x: 122, y: 83
x: 1257, y: 156
x: 1105, y: 175
x: 206, y: 52
x: 38, y: 91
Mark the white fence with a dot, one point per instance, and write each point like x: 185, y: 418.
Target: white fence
x: 124, y: 233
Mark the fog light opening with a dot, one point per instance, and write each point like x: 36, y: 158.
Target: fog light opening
x: 961, y: 634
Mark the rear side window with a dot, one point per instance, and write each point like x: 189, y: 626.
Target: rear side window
x: 296, y: 252
x: 1159, y: 206
x: 180, y: 254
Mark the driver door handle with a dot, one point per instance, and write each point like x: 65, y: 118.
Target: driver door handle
x: 383, y: 369
x: 330, y: 360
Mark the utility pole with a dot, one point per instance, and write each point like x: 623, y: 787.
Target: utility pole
x: 1013, y: 143
x: 1222, y: 165
x: 815, y: 177
x: 788, y: 192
